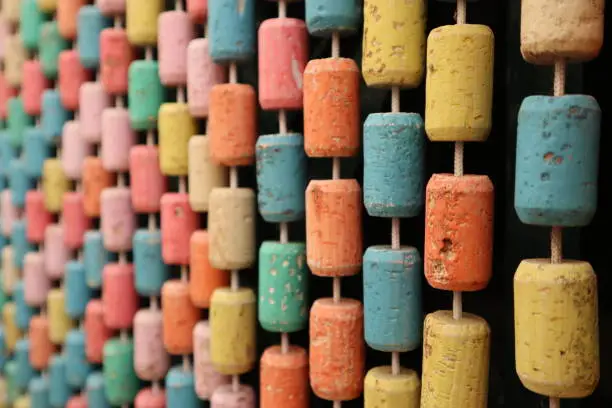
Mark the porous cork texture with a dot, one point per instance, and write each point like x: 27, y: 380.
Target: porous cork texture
x: 383, y: 389
x: 333, y: 225
x: 284, y: 378
x: 458, y: 252
x: 151, y: 362
x: 176, y: 127
x: 337, y: 349
x: 41, y: 348
x: 203, y: 278
x: 55, y: 184
x: 455, y: 361
x: 556, y: 327
x: 95, y: 180
x: 204, y: 175
x: 180, y: 317
x: 394, y: 43
x: 568, y: 29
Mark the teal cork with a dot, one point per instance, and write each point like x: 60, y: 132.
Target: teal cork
x: 77, y: 366
x: 18, y: 121
x: 36, y: 150
x: 30, y: 23
x: 283, y: 287
x: 23, y: 311
x: 96, y: 397
x: 19, y: 240
x: 12, y: 390
x: 150, y: 271
x: 77, y: 291
x: 180, y: 389
x: 146, y: 94
x: 394, y: 164
x: 95, y: 256
x: 19, y: 182
x: 3, y: 350
x: 50, y: 45
x: 231, y: 30
x: 39, y: 392
x: 120, y: 382
x: 323, y: 17
x: 7, y: 153
x: 59, y: 391
x: 90, y: 23
x: 393, y: 316
x: 24, y: 371
x: 281, y: 177
x: 557, y: 158
x: 53, y: 116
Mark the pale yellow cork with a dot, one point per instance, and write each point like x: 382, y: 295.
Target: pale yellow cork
x: 15, y: 55
x: 11, y: 332
x: 176, y: 127
x: 55, y: 184
x: 141, y: 21
x: 383, y: 389
x: 204, y: 175
x: 59, y: 322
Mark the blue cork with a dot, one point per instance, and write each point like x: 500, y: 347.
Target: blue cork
x: 394, y: 164
x: 77, y: 366
x: 12, y: 390
x: 231, y: 30
x: 24, y: 371
x: 19, y: 240
x: 281, y: 177
x: 7, y: 153
x: 53, y: 115
x: 180, y: 389
x: 36, y: 150
x: 18, y: 120
x: 557, y: 157
x: 77, y: 291
x: 95, y: 391
x: 90, y: 23
x: 19, y: 182
x: 149, y: 268
x: 3, y: 350
x: 23, y: 311
x: 324, y: 17
x: 59, y: 390
x: 39, y: 392
x: 393, y: 315
x: 94, y: 258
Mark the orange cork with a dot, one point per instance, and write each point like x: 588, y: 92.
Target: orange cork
x: 284, y: 378
x: 41, y: 348
x: 67, y: 12
x: 203, y: 278
x: 95, y: 179
x: 332, y: 124
x: 232, y: 127
x: 459, y: 232
x: 333, y: 226
x: 180, y: 317
x: 337, y: 349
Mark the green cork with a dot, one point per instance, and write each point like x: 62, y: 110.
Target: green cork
x: 145, y: 93
x: 30, y: 23
x: 50, y: 44
x: 120, y: 382
x: 18, y: 121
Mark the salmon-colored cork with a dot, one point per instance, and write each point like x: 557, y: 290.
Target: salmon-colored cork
x: 76, y: 222
x: 227, y: 396
x: 232, y: 128
x: 284, y: 378
x: 458, y: 232
x: 332, y: 125
x: 67, y: 11
x: 178, y: 222
x: 148, y: 184
x: 41, y: 348
x: 6, y: 92
x: 150, y: 398
x: 71, y: 76
x: 96, y: 331
x: 337, y: 349
x: 77, y: 401
x: 37, y: 216
x: 95, y: 179
x: 180, y: 317
x: 333, y: 225
x: 115, y: 57
x: 33, y: 85
x: 203, y: 278
x: 119, y: 296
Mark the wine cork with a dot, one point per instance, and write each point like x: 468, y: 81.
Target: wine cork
x: 145, y: 93
x: 120, y: 381
x: 33, y: 86
x: 96, y: 397
x: 180, y: 390
x: 149, y: 398
x: 178, y: 222
x: 207, y: 380
x: 8, y: 212
x: 56, y: 252
x: 91, y: 23
x: 148, y: 184
x: 111, y: 7
x: 203, y: 278
x: 24, y: 402
x: 7, y: 91
x: 10, y: 273
x: 95, y: 180
x: 557, y: 303
x: 231, y: 45
x: 77, y: 401
x: 71, y: 75
x: 227, y: 397
x: 93, y: 101
x: 117, y: 139
x: 332, y: 124
x: 95, y: 256
x: 41, y: 347
x: 19, y: 183
x: 150, y: 271
x: 59, y: 321
x: 180, y: 317
x: 30, y: 21
x: 24, y: 372
x: 151, y: 361
x: 53, y: 116
x: 204, y: 175
x: 77, y: 291
x: 11, y: 331
x: 384, y: 389
x: 20, y: 243
x: 455, y: 361
x: 333, y: 225
x: 15, y: 55
x: 10, y: 11
x: 324, y: 18
x: 119, y: 297
x: 36, y: 281
x: 50, y: 45
x: 175, y: 31
x: 18, y: 121
x: 23, y: 312
x: 284, y: 378
x: 74, y: 219
x: 197, y: 10
x: 141, y: 21
x: 96, y: 331
x: 38, y: 389
x: 67, y: 15
x: 117, y: 219
x: 35, y: 151
x: 176, y: 126
x: 59, y: 390
x: 202, y: 75
x: 77, y: 366
x: 116, y: 56
x: 55, y: 184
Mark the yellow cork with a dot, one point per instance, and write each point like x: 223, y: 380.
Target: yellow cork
x: 22, y: 402
x: 59, y: 322
x: 55, y: 184
x: 141, y: 21
x: 455, y: 361
x: 204, y: 175
x: 15, y: 55
x: 3, y: 393
x: 11, y: 10
x: 394, y: 43
x: 459, y: 85
x: 48, y: 6
x: 233, y: 327
x: 176, y: 126
x: 10, y: 273
x: 556, y: 327
x: 11, y: 331
x: 382, y: 389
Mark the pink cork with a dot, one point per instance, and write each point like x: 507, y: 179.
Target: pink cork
x: 148, y: 184
x: 202, y: 75
x: 117, y: 140
x: 96, y: 332
x: 56, y: 251
x: 77, y: 401
x: 119, y: 296
x: 6, y: 92
x: 5, y: 31
x: 93, y: 102
x: 117, y: 219
x: 178, y: 222
x: 226, y: 397
x: 150, y: 398
x: 71, y: 75
x: 8, y: 212
x: 36, y: 282
x: 33, y: 85
x: 207, y: 380
x: 111, y: 7
x: 76, y: 222
x: 115, y: 57
x: 283, y: 54
x: 74, y: 150
x: 175, y: 30
x: 37, y: 216
x: 151, y: 361
x: 197, y: 9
